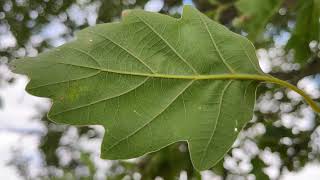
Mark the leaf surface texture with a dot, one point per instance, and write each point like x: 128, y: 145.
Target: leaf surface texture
x: 152, y: 80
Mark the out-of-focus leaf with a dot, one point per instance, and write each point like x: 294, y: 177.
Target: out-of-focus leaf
x: 19, y: 19
x: 214, y: 2
x: 258, y: 166
x: 255, y: 14
x: 306, y: 30
x: 49, y: 147
x: 112, y: 8
x: 168, y: 163
x: 291, y: 154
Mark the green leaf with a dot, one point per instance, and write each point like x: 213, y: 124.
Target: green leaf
x: 258, y: 166
x: 153, y: 80
x: 256, y: 14
x: 307, y: 29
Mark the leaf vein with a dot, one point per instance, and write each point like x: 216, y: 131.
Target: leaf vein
x: 105, y: 99
x: 76, y: 79
x: 153, y: 118
x: 216, y: 122
x: 86, y: 53
x: 165, y: 41
x: 251, y: 61
x: 125, y: 49
x: 216, y: 46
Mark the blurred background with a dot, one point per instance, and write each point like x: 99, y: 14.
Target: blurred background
x: 282, y: 141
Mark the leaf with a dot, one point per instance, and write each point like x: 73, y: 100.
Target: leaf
x: 307, y: 29
x: 258, y: 166
x: 256, y: 14
x: 153, y: 80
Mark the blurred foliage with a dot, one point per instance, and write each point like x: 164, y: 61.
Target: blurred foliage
x: 255, y: 14
x: 262, y: 21
x: 113, y: 8
x: 17, y: 14
x: 307, y: 29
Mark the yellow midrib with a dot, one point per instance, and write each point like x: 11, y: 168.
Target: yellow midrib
x: 236, y: 76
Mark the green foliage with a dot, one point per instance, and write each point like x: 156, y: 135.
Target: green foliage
x: 258, y: 166
x: 256, y: 14
x: 113, y: 8
x: 297, y: 148
x: 18, y: 16
x: 153, y: 80
x: 167, y: 163
x: 307, y: 29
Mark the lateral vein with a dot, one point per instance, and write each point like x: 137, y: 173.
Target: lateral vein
x: 153, y: 118
x: 123, y: 48
x: 165, y: 41
x: 216, y: 47
x: 216, y: 121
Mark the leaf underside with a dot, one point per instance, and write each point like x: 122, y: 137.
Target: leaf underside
x: 140, y: 80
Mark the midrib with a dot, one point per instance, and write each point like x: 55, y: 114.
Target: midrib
x: 235, y: 76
